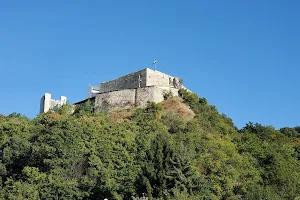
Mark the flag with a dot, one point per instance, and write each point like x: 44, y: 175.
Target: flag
x: 154, y: 62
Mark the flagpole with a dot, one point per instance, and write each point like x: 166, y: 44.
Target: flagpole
x: 154, y: 63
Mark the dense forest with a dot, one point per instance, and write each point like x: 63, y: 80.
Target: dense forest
x: 177, y: 149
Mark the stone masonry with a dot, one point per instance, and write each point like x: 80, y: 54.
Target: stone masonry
x: 140, y: 79
x: 132, y: 90
x: 49, y: 104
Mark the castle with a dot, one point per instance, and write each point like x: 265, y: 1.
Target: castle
x: 135, y: 89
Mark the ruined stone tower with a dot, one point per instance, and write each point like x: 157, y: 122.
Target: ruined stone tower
x: 48, y: 104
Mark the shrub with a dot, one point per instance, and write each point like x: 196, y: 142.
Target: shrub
x: 85, y: 108
x: 173, y: 121
x: 167, y: 94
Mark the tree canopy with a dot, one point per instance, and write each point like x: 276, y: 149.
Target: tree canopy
x: 153, y: 152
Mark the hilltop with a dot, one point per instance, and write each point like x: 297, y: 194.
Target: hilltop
x: 180, y: 148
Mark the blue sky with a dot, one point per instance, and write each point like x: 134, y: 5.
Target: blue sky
x: 243, y: 56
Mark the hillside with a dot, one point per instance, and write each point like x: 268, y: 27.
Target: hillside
x: 178, y: 149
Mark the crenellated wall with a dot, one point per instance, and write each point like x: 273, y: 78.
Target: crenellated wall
x: 48, y: 104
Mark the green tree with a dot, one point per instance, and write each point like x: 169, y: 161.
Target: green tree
x: 164, y: 171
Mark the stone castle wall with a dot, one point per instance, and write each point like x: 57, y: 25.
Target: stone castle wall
x: 139, y: 79
x: 157, y: 78
x: 129, y: 81
x: 114, y: 100
x: 128, y: 98
x: 135, y: 89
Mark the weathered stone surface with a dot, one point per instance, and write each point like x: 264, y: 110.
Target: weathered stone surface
x: 128, y: 98
x: 176, y: 82
x: 140, y: 79
x: 115, y: 100
x: 47, y: 103
x: 157, y: 78
x: 129, y: 81
x: 135, y: 89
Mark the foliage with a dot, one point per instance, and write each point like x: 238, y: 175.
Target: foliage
x: 291, y: 132
x: 150, y: 154
x: 66, y: 109
x: 165, y: 169
x: 84, y: 108
x: 173, y: 121
x: 167, y: 94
